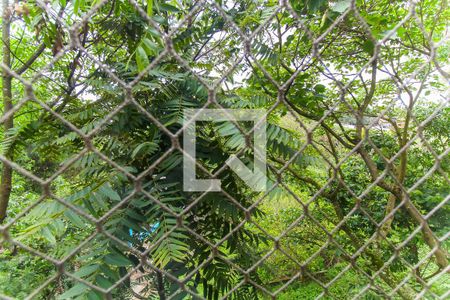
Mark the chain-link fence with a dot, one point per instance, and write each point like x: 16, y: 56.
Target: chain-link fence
x: 355, y: 104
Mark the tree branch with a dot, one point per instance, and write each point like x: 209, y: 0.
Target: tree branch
x: 31, y: 60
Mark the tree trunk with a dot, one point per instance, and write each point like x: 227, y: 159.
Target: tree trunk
x: 439, y: 253
x: 6, y: 180
x: 160, y: 286
x: 405, y: 292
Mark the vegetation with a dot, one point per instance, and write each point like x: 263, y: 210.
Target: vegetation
x: 91, y: 196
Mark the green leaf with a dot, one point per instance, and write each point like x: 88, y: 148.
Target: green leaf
x: 103, y: 282
x: 141, y: 59
x: 131, y: 224
x: 110, y: 274
x: 150, y: 8
x: 369, y: 47
x: 107, y: 191
x: 168, y: 7
x: 315, y: 5
x: 86, y: 270
x: 48, y: 235
x: 150, y: 147
x: 94, y: 3
x: 76, y: 290
x: 74, y: 218
x: 341, y: 6
x: 136, y: 215
x: 150, y: 47
x: 58, y: 227
x: 319, y: 88
x: 117, y: 259
x: 94, y: 295
x: 78, y: 5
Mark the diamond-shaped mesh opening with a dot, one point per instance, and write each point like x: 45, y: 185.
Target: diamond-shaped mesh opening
x: 95, y: 195
x: 42, y: 157
x: 202, y: 59
x: 48, y: 224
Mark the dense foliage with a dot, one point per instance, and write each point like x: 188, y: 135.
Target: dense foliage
x: 357, y: 146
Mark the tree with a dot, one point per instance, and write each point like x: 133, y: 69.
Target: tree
x: 5, y: 185
x: 99, y: 131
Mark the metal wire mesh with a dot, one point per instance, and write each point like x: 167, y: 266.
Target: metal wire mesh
x: 245, y: 60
